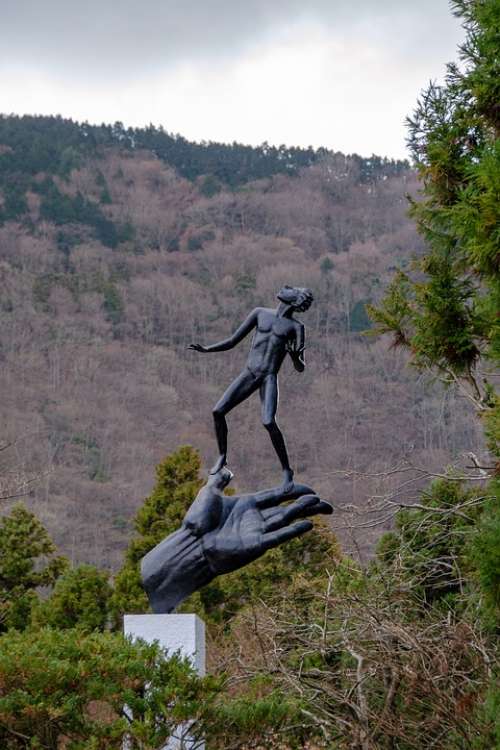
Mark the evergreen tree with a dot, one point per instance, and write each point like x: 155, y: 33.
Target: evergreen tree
x: 80, y: 599
x: 28, y: 561
x: 113, y: 303
x: 446, y: 312
x: 65, y: 688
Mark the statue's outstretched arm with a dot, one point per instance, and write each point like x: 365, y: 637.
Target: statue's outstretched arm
x: 243, y: 330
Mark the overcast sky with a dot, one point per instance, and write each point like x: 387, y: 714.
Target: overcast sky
x: 336, y: 73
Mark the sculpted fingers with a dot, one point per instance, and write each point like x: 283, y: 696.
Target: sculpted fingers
x: 273, y: 497
x: 311, y: 505
x: 275, y: 538
x: 321, y: 507
x: 308, y: 505
x: 298, y: 490
x: 275, y: 518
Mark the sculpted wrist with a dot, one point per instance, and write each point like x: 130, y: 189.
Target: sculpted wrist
x: 173, y: 570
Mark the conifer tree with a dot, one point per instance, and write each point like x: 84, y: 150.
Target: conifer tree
x: 27, y: 562
x: 65, y: 688
x: 446, y: 312
x: 80, y: 599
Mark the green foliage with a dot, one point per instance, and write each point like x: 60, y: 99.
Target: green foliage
x: 113, y: 303
x: 446, y: 331
x: 173, y: 244
x: 326, y: 265
x: 55, y: 146
x: 126, y: 232
x: 196, y: 241
x: 70, y: 158
x: 105, y: 196
x: 177, y: 483
x: 27, y: 561
x: 395, y: 653
x: 491, y: 422
x: 367, y: 657
x: 488, y: 718
x: 394, y: 314
x: 95, y: 465
x: 80, y: 599
x: 447, y: 546
x: 15, y: 204
x: 63, y: 209
x: 485, y: 552
x: 210, y: 186
x: 258, y: 718
x: 437, y: 319
x: 446, y: 311
x: 65, y: 683
x: 359, y: 320
x: 429, y: 546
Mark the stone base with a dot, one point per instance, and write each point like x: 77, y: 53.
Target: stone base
x: 183, y: 633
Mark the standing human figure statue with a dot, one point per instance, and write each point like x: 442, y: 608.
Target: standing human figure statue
x: 277, y: 333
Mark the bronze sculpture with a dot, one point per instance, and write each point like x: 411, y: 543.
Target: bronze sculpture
x: 277, y: 334
x: 221, y: 533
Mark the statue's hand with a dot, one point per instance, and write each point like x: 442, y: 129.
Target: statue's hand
x: 295, y: 350
x: 252, y: 524
x: 297, y: 355
x: 221, y: 534
x: 197, y: 348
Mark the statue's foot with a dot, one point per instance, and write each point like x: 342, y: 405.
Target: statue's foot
x: 287, y: 485
x: 221, y: 461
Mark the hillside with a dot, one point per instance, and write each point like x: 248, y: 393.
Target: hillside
x: 119, y: 247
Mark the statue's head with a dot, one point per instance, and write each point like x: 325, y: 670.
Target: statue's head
x: 300, y: 298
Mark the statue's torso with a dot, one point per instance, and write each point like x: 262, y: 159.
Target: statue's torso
x: 269, y: 342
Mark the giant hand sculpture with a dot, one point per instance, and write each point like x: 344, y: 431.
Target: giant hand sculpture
x: 220, y: 534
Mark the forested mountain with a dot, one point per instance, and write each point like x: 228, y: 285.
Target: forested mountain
x: 56, y: 145
x: 119, y: 247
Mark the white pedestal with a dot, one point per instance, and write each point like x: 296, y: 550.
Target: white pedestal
x: 184, y: 633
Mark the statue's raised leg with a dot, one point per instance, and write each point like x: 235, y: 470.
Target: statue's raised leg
x: 239, y: 390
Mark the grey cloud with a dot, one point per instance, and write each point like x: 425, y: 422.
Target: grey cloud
x: 127, y: 37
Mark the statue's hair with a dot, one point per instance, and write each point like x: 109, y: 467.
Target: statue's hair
x: 304, y: 299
